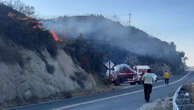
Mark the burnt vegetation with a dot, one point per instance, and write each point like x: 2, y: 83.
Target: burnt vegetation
x: 9, y: 54
x: 87, y: 56
x: 17, y: 31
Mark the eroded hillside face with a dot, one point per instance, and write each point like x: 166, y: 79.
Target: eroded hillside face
x: 34, y: 81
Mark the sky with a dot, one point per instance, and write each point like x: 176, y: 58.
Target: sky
x: 168, y: 20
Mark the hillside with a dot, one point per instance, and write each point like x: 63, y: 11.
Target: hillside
x: 34, y: 67
x: 122, y: 44
x: 55, y: 58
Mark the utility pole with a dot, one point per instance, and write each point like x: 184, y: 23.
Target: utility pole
x: 130, y: 19
x: 109, y: 69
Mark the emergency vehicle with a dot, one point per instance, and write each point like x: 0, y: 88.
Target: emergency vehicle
x: 121, y: 73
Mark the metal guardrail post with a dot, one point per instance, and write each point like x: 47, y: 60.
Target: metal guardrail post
x: 175, y: 106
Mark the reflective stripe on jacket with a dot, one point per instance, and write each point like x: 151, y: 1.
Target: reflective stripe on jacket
x: 148, y: 78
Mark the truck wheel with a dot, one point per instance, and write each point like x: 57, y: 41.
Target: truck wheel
x: 117, y: 82
x: 121, y: 80
x: 132, y: 83
x: 140, y: 82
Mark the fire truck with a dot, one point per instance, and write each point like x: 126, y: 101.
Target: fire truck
x: 121, y: 73
x: 124, y: 72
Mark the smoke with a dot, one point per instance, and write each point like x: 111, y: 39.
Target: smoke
x: 105, y: 30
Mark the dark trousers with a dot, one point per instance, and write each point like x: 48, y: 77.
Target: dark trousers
x: 166, y: 81
x: 147, y: 91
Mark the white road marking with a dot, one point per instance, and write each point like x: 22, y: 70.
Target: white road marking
x: 127, y: 87
x: 116, y: 96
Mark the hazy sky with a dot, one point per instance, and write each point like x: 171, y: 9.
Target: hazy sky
x: 169, y: 20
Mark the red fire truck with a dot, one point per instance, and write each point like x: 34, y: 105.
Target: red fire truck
x: 121, y: 73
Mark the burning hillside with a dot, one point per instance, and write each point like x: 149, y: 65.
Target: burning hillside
x: 54, y: 35
x: 24, y: 35
x: 33, y: 67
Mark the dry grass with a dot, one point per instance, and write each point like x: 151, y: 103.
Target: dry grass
x: 190, y: 88
x: 160, y: 104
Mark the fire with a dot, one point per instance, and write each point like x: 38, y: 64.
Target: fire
x: 54, y: 35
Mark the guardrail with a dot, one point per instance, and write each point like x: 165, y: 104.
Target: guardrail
x: 175, y: 106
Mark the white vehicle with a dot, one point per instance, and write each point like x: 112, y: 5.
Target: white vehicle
x: 140, y: 70
x: 155, y: 77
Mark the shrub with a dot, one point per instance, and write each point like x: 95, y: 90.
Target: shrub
x: 68, y: 95
x: 50, y: 68
x: 10, y: 54
x: 72, y: 78
x: 88, y: 57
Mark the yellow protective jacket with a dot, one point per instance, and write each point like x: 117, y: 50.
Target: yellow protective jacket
x: 166, y: 75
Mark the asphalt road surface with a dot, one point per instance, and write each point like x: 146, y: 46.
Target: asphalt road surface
x: 130, y: 98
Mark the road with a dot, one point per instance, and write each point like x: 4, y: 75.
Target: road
x: 126, y: 99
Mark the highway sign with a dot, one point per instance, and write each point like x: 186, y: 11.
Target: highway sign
x: 109, y: 64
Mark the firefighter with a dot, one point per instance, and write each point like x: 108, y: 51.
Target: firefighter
x: 148, y: 80
x: 166, y: 77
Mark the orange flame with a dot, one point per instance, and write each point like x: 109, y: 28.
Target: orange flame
x: 54, y: 35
